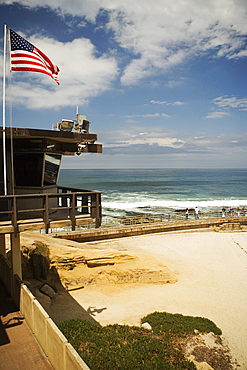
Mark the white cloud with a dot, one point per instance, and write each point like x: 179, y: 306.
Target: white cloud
x: 133, y: 139
x: 169, y: 33
x: 221, y: 142
x: 83, y: 75
x: 150, y: 115
x: 131, y: 121
x: 218, y: 114
x: 174, y: 83
x: 225, y: 103
x: 240, y: 54
x: 160, y: 37
x: 158, y: 102
x: 231, y: 102
x: 166, y: 103
x: 86, y: 8
x: 135, y: 135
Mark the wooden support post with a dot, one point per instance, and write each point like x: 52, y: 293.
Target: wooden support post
x: 99, y: 209
x: 2, y: 245
x: 64, y: 199
x: 97, y: 214
x: 84, y: 201
x: 46, y: 213
x: 96, y: 209
x: 16, y: 254
x: 72, y: 212
x: 14, y: 216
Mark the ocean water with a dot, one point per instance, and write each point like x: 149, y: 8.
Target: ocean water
x: 129, y: 192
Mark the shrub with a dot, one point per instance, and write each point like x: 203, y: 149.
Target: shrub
x: 163, y: 322
x: 122, y: 347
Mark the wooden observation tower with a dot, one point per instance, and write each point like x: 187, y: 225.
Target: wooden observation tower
x: 30, y: 197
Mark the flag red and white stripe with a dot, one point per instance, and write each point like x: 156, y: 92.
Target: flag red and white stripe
x: 27, y: 57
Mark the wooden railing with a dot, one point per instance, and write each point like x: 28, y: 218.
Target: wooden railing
x: 66, y: 206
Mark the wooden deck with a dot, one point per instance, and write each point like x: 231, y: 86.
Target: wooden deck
x: 6, y: 227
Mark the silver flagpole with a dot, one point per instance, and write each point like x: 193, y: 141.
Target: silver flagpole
x: 4, y: 111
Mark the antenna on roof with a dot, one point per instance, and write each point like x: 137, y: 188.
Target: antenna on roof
x: 80, y: 124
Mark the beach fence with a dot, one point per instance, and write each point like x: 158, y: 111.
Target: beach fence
x: 173, y: 216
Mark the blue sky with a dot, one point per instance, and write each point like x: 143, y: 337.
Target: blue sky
x: 163, y: 84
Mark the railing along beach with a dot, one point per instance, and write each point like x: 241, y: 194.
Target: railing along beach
x: 175, y: 215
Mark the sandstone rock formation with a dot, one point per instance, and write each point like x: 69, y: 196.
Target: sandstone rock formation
x: 77, y: 265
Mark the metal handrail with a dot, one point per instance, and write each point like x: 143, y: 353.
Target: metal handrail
x: 178, y: 216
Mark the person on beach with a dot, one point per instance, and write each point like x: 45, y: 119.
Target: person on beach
x: 187, y: 213
x: 196, y: 213
x: 223, y: 214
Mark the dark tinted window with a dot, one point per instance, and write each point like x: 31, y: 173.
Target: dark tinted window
x: 28, y: 169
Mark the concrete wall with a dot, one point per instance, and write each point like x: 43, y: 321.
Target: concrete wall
x: 60, y: 353
x: 156, y: 227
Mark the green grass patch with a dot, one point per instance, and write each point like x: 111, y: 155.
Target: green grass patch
x: 125, y: 347
x: 163, y: 322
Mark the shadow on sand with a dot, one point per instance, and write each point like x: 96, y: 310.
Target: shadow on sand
x: 63, y: 306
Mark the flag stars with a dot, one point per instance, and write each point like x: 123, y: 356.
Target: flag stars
x: 18, y: 43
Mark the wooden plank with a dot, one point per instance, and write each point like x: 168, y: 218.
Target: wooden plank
x: 61, y: 223
x: 30, y: 220
x: 6, y: 229
x: 35, y: 226
x: 82, y: 216
x: 3, y: 223
x: 85, y: 221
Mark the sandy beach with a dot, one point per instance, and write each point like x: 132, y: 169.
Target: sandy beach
x: 211, y: 269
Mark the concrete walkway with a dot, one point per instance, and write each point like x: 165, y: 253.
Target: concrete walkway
x: 18, y: 347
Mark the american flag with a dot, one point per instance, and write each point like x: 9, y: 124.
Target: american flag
x: 26, y: 57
